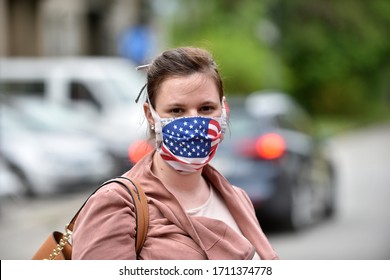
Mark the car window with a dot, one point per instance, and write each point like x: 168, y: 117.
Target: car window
x: 36, y: 88
x: 125, y: 82
x: 294, y: 121
x: 80, y: 92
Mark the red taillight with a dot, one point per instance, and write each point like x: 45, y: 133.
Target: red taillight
x: 138, y: 150
x: 270, y: 146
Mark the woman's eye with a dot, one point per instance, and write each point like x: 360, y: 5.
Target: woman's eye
x: 176, y: 111
x: 206, y: 109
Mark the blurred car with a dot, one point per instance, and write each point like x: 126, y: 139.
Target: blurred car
x: 11, y: 187
x: 103, y: 89
x: 49, y: 160
x: 270, y: 152
x: 62, y: 118
x: 10, y: 184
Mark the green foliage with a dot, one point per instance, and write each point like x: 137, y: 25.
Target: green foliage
x: 339, y: 51
x: 332, y: 55
x: 245, y: 64
x: 227, y: 29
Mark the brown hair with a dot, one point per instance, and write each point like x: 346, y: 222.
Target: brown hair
x: 181, y: 62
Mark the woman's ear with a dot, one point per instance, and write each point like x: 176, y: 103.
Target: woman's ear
x: 148, y: 114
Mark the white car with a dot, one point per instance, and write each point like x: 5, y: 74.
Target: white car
x: 102, y: 89
x: 50, y: 160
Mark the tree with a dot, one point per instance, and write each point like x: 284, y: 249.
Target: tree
x: 338, y: 51
x: 332, y: 55
x: 229, y: 29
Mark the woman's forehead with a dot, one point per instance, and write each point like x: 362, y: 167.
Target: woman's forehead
x: 184, y: 87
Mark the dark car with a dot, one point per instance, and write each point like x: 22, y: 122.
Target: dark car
x: 269, y: 151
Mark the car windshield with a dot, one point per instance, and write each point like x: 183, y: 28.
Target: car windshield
x: 12, y: 120
x: 125, y: 84
x: 242, y: 125
x: 43, y: 115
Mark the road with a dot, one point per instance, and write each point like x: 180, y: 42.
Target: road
x: 361, y: 228
x: 359, y: 231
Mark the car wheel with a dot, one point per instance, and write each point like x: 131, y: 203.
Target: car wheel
x: 323, y: 189
x: 300, y: 202
x: 330, y: 201
x: 28, y: 189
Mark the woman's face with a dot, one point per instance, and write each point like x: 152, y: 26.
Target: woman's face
x: 193, y: 95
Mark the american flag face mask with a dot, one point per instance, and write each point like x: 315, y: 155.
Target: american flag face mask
x: 188, y: 143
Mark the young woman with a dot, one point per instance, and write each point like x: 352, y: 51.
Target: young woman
x: 194, y: 212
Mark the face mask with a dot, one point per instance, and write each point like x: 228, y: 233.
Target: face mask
x: 188, y: 143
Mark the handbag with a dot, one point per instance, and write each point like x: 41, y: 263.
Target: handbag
x: 58, y: 245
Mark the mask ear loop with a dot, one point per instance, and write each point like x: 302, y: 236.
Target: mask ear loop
x: 224, y: 115
x: 157, y: 123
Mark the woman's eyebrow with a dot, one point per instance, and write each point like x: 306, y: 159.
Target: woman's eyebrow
x: 175, y: 104
x: 183, y: 104
x: 209, y: 103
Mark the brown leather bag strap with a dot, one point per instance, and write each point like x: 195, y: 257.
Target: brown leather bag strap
x: 140, y: 205
x: 142, y: 211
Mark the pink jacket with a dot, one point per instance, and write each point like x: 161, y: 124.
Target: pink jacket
x: 105, y: 228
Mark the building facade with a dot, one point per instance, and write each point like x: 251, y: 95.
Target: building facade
x: 66, y: 28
